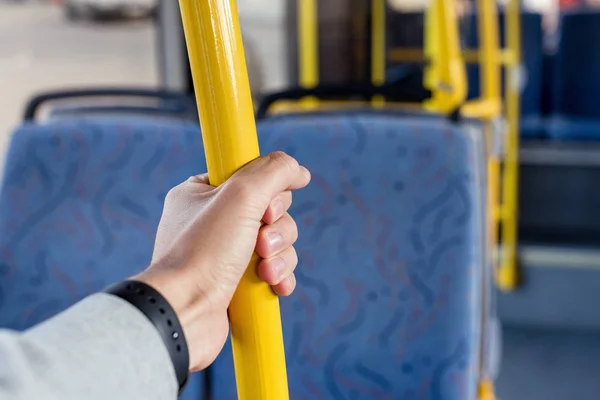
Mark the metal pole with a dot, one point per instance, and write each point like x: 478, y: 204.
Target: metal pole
x: 216, y: 53
x: 308, y: 48
x: 507, y: 273
x: 308, y: 43
x: 378, y: 45
x: 171, y: 47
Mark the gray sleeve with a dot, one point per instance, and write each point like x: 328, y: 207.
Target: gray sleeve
x: 102, y: 348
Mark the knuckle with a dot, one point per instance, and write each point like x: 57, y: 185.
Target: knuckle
x: 284, y: 159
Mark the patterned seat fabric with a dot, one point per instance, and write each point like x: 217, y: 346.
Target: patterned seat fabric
x: 388, y: 303
x: 79, y: 207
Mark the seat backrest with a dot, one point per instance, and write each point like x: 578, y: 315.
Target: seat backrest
x: 577, y: 81
x: 388, y: 303
x: 532, y: 53
x: 79, y: 206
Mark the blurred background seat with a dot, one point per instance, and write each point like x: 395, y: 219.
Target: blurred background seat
x: 532, y: 42
x: 576, y: 80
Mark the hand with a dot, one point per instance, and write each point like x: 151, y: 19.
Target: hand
x: 205, y: 240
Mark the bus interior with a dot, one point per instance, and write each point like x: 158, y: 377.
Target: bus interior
x: 449, y: 242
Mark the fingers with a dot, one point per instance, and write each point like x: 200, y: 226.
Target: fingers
x: 279, y: 205
x: 273, y: 174
x: 286, y: 287
x: 273, y: 239
x: 279, y: 271
x: 276, y: 270
x: 275, y: 246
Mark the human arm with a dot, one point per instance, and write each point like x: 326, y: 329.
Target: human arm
x: 204, y: 243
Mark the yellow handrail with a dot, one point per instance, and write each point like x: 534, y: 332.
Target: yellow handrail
x: 407, y: 55
x: 308, y: 47
x: 489, y: 44
x: 445, y: 75
x: 507, y: 272
x: 378, y: 45
x: 291, y: 106
x: 414, y: 55
x: 218, y: 65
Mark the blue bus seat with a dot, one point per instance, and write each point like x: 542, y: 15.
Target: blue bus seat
x: 532, y: 121
x: 79, y: 205
x: 548, y: 90
x: 391, y: 248
x: 576, y: 79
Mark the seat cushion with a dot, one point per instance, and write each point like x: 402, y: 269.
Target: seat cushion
x: 388, y: 302
x: 79, y: 206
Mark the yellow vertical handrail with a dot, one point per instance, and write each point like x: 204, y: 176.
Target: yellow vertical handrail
x: 218, y: 65
x: 489, y: 67
x: 431, y: 48
x: 446, y: 74
x: 308, y: 43
x: 488, y: 106
x: 489, y: 53
x: 378, y: 46
x: 507, y: 272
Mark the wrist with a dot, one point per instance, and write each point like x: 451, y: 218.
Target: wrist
x: 186, y: 303
x: 159, y: 312
x: 190, y: 306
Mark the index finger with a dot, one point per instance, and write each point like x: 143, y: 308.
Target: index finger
x: 273, y: 174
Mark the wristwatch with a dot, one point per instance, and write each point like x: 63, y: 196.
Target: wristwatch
x: 158, y: 310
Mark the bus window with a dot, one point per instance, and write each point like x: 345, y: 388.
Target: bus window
x: 42, y: 47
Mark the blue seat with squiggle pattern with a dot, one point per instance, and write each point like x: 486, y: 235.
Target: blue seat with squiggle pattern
x: 391, y: 244
x: 388, y: 303
x: 79, y: 206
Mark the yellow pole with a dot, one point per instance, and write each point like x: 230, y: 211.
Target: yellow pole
x: 507, y: 273
x: 489, y: 53
x: 446, y: 74
x: 489, y: 66
x: 488, y: 106
x: 308, y: 45
x: 378, y: 44
x: 216, y: 53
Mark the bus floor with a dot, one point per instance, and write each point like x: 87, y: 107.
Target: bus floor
x: 549, y: 364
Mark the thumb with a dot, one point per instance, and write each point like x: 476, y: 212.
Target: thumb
x: 268, y: 176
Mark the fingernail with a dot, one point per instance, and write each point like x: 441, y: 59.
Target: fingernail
x: 277, y: 207
x: 275, y: 240
x: 278, y: 266
x: 306, y: 172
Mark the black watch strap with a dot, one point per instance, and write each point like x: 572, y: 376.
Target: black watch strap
x: 156, y: 308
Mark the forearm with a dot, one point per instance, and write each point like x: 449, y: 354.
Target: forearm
x: 101, y: 348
